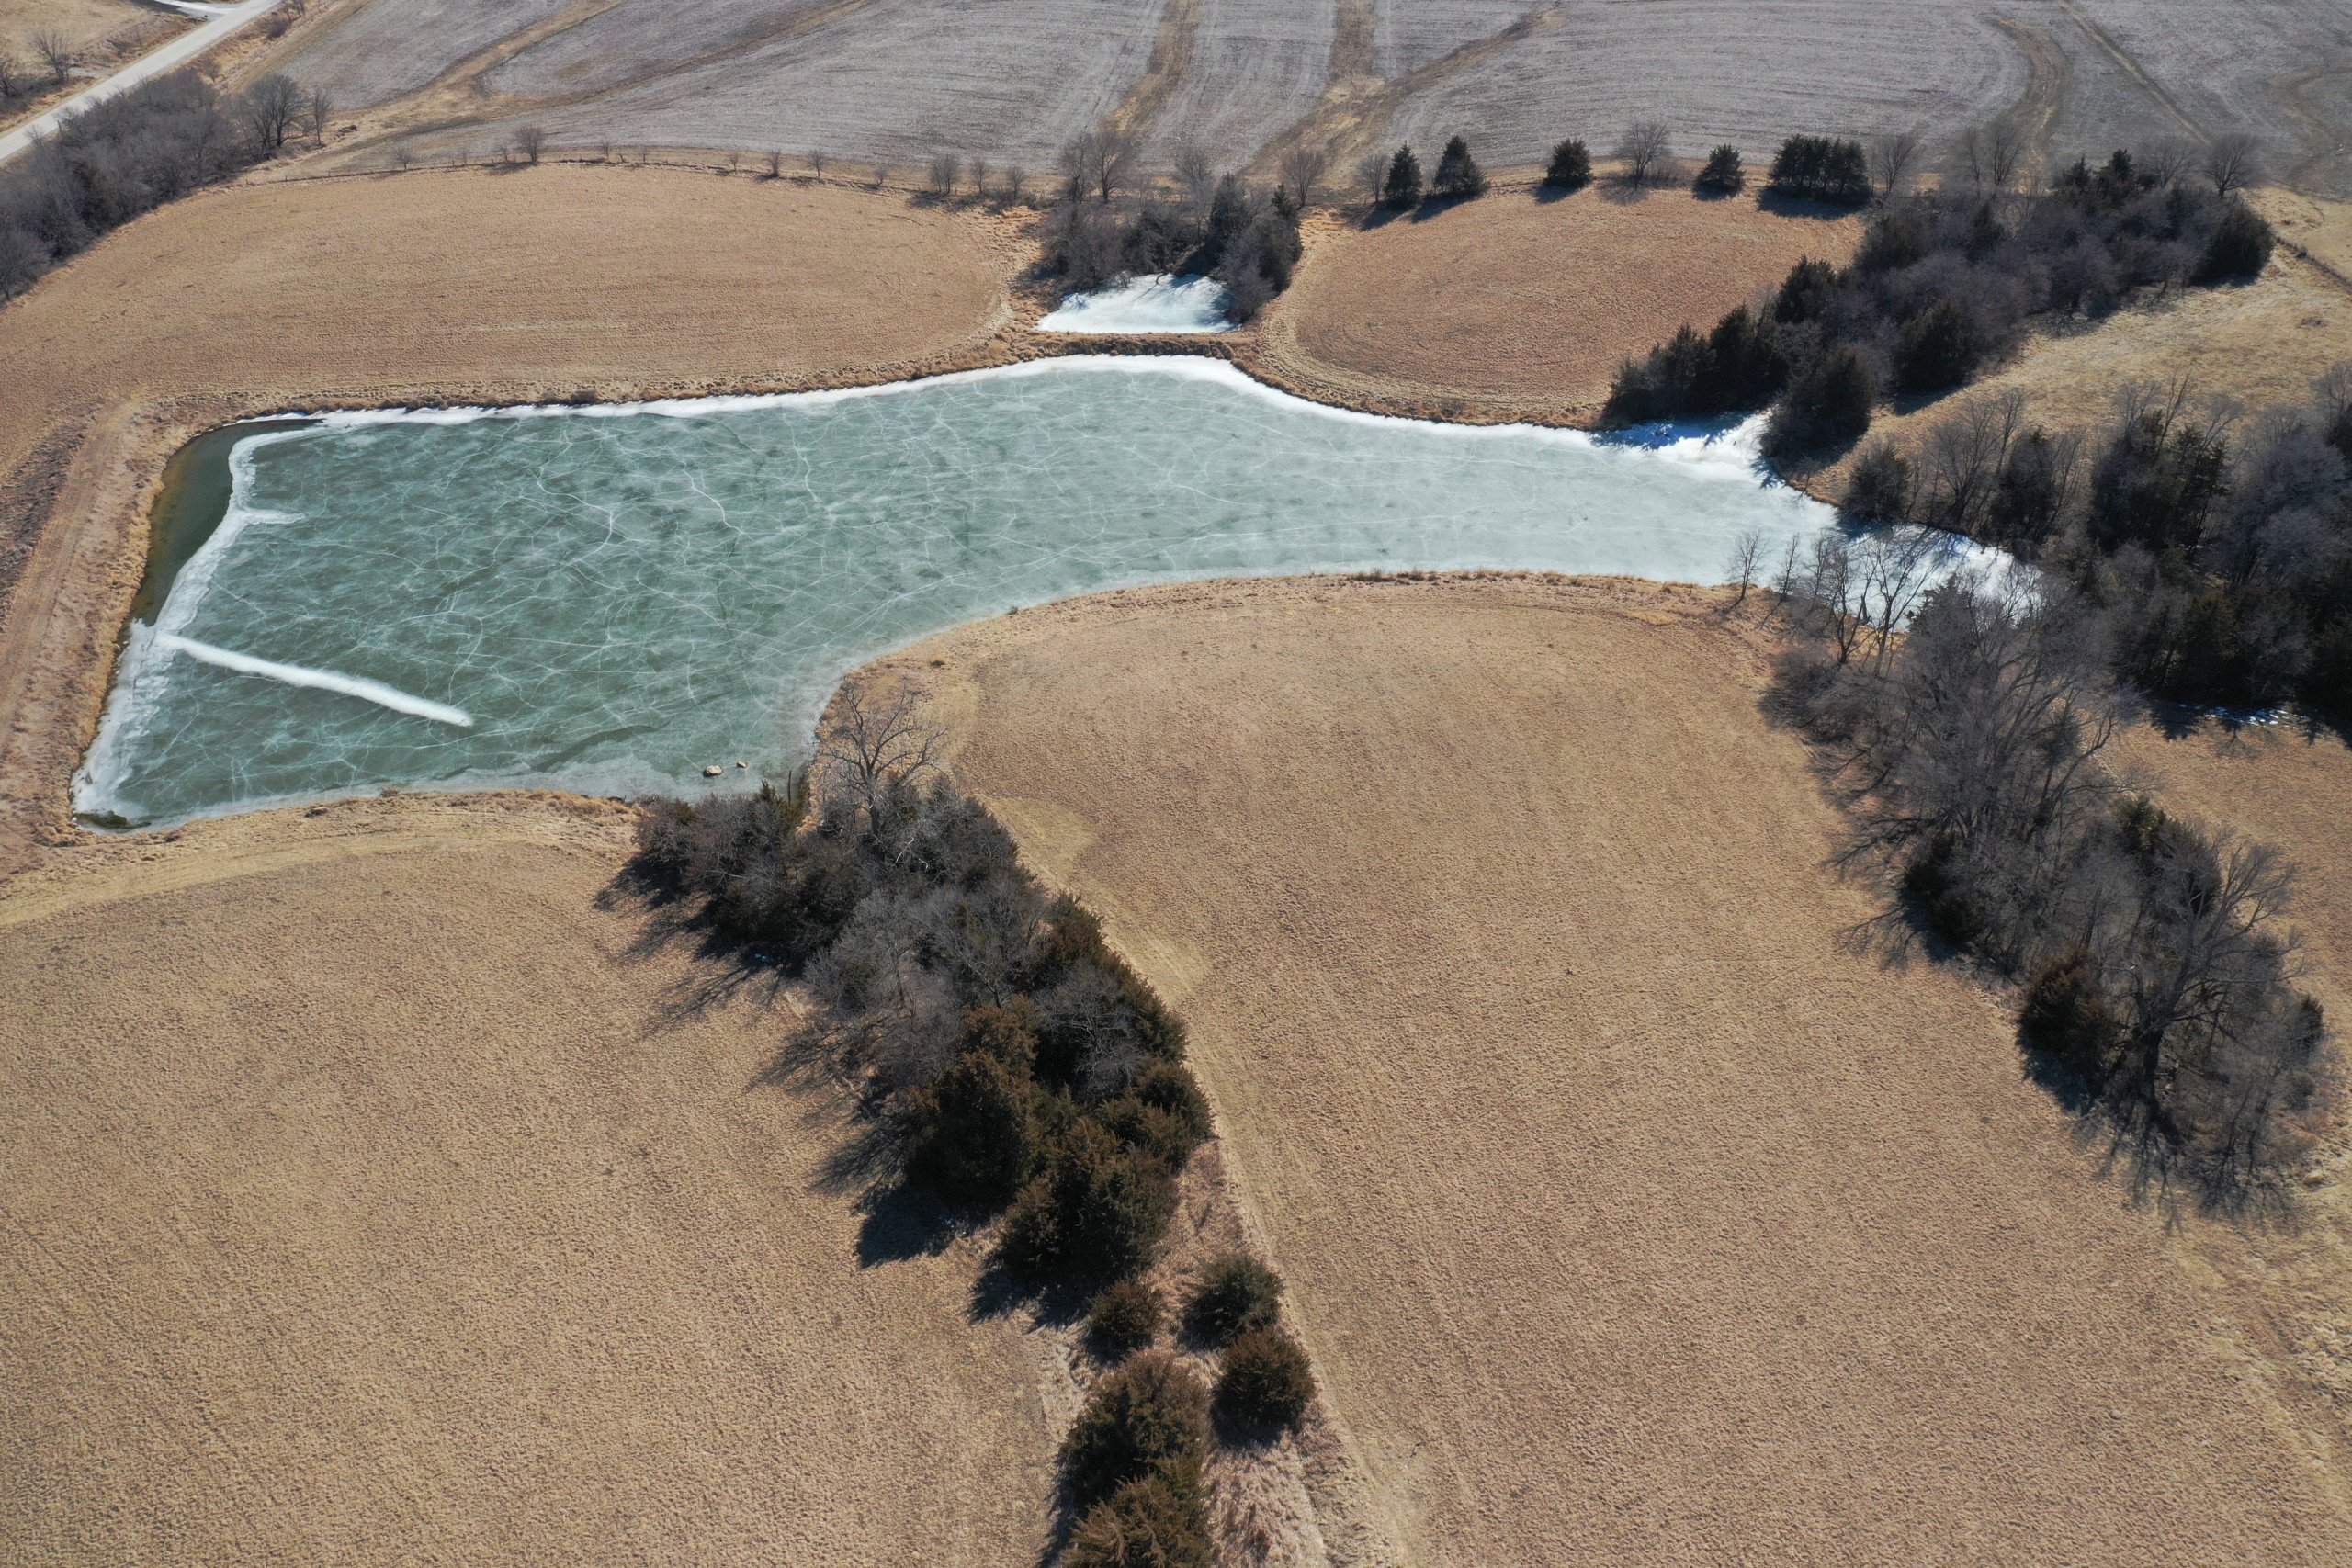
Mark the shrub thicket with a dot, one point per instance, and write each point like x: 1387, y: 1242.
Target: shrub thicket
x: 1721, y: 174
x: 1946, y: 282
x: 1822, y: 168
x: 1223, y: 228
x: 2217, y: 557
x: 1234, y: 1295
x: 1571, y: 166
x: 121, y: 158
x: 1145, y: 1524
x: 1021, y: 1061
x: 1458, y: 176
x: 1265, y: 1380
x: 1123, y: 1318
x: 1146, y: 1419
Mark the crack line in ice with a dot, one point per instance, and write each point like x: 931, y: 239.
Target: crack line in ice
x: 358, y: 686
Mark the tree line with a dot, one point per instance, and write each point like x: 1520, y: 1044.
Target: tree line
x: 1015, y: 1070
x: 1942, y: 284
x: 130, y: 154
x: 2218, y: 550
x: 1967, y: 726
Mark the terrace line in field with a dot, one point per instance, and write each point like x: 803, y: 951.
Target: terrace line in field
x: 620, y: 596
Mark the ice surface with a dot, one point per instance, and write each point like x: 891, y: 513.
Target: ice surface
x: 618, y: 596
x: 1160, y: 303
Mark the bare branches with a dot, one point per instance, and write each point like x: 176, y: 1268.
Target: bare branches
x: 51, y: 49
x: 1747, y: 560
x: 941, y: 175
x: 1892, y: 157
x: 1992, y: 154
x: 2233, y: 160
x: 270, y: 106
x: 531, y: 141
x: 1641, y: 149
x: 1301, y: 168
x: 874, y: 740
x: 1097, y: 163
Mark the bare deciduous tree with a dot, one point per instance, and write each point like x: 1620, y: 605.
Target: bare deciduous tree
x: 940, y: 179
x: 1372, y: 171
x: 1015, y: 177
x: 1992, y: 154
x: 875, y: 739
x: 2166, y: 162
x: 1198, y: 176
x: 1746, y: 560
x: 319, y: 109
x: 1303, y: 167
x: 2233, y: 160
x: 816, y: 162
x: 1961, y: 459
x: 978, y: 171
x: 776, y: 165
x: 531, y: 141
x: 11, y: 85
x: 1097, y: 163
x: 1892, y: 157
x: 269, y: 107
x: 1641, y: 149
x: 51, y: 49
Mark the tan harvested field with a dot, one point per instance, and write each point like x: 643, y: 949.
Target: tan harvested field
x: 1517, y: 306
x: 378, y: 1194
x: 901, y: 79
x: 1633, y: 1215
x: 82, y: 24
x: 429, y: 287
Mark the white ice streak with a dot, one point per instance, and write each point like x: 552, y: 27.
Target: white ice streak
x: 358, y: 686
x: 1159, y: 302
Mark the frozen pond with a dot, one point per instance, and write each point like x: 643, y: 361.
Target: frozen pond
x: 1160, y: 303
x: 609, y: 599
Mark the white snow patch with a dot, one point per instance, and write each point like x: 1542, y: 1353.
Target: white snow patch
x: 358, y: 686
x: 1158, y: 303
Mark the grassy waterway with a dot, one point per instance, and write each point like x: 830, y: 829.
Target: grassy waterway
x: 610, y: 599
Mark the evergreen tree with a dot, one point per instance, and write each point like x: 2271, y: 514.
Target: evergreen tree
x: 1571, y: 166
x: 1457, y: 173
x: 1403, y: 188
x: 1722, y: 174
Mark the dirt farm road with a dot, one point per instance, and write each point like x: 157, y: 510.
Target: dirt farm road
x: 146, y: 68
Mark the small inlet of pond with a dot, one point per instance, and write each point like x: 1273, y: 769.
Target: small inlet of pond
x: 610, y: 599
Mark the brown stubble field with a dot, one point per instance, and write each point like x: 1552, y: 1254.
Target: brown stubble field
x: 1632, y: 1211
x: 386, y: 1189
x: 1518, y: 306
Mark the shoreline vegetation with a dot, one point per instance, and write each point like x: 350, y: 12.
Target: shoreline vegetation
x: 1017, y: 1078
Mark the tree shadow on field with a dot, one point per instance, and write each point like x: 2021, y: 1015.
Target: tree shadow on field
x: 1623, y: 193
x: 1548, y: 196
x: 1780, y: 206
x: 812, y: 1063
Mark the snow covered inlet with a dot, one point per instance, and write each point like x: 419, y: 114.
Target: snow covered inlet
x: 1161, y: 303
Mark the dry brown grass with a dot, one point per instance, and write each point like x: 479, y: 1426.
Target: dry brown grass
x: 449, y: 286
x: 82, y: 24
x: 1631, y: 1214
x: 1514, y: 306
x: 378, y: 1194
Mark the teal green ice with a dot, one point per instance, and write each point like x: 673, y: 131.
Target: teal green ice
x: 608, y: 599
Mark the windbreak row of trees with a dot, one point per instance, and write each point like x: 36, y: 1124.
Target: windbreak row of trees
x: 1210, y: 224
x: 1943, y: 284
x: 2219, y: 550
x: 2158, y: 976
x: 1014, y: 1067
x: 132, y: 154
